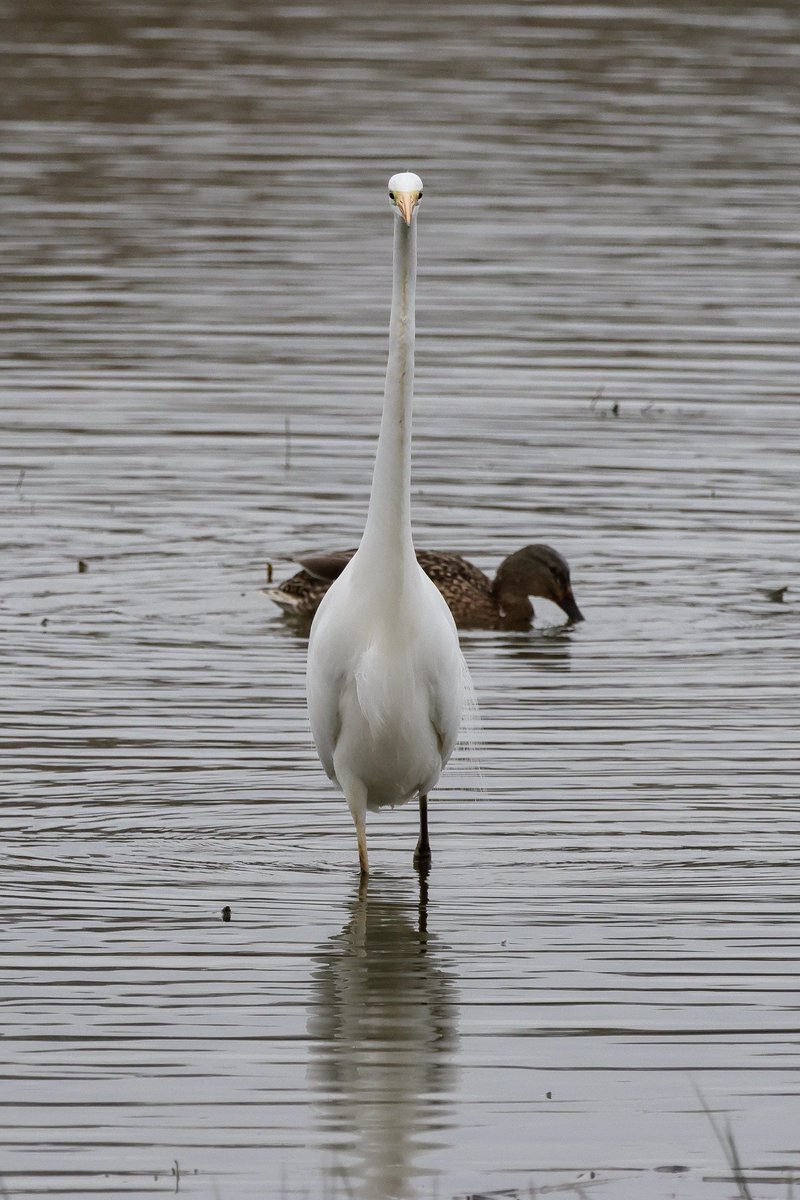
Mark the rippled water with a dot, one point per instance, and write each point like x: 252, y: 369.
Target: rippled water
x: 194, y: 298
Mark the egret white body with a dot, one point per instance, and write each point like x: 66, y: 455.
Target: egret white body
x: 386, y: 678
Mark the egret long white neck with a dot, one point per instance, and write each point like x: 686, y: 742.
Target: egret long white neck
x: 388, y: 526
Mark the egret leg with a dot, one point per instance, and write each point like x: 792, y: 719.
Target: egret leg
x: 363, y: 859
x: 422, y: 854
x: 356, y: 796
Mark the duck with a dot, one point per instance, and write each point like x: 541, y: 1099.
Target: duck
x: 475, y: 600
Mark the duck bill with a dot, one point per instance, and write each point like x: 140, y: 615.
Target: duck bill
x: 570, y: 608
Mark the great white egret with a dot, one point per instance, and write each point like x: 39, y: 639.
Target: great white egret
x: 386, y: 680
x: 475, y: 600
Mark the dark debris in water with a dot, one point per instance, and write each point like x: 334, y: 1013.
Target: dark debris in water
x: 504, y: 1194
x: 573, y: 1186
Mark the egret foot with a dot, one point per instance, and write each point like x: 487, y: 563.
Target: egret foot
x: 422, y: 854
x: 422, y: 863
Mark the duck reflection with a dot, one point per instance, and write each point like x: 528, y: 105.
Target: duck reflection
x: 382, y: 1026
x: 544, y: 650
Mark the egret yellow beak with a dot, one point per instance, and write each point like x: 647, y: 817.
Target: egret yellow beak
x: 406, y: 202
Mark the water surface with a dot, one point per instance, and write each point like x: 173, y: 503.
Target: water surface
x: 195, y: 299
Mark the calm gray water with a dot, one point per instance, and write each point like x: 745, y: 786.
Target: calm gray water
x: 196, y: 256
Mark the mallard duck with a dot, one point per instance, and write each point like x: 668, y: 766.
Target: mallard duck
x: 475, y: 600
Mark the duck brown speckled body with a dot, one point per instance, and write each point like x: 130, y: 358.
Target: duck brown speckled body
x: 475, y: 600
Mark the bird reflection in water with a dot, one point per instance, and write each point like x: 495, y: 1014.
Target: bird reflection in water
x: 548, y: 649
x: 382, y: 1026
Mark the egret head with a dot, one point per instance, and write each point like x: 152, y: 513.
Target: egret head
x: 405, y: 193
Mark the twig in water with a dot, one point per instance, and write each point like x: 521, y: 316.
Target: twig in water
x: 340, y: 1175
x: 729, y: 1147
